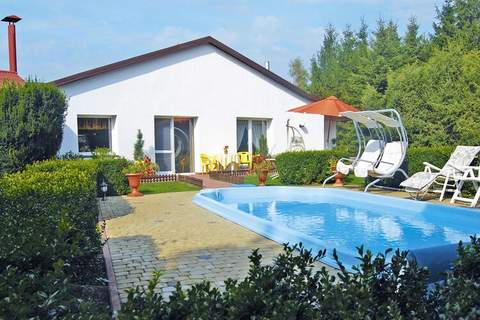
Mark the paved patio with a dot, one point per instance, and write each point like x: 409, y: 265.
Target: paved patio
x: 168, y: 232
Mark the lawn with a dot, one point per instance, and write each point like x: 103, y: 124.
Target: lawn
x: 252, y: 179
x: 163, y: 187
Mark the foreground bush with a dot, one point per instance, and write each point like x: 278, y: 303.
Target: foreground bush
x: 50, y: 241
x: 306, y: 167
x: 290, y: 289
x: 31, y: 124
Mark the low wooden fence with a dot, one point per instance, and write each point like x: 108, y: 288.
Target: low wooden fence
x: 173, y: 177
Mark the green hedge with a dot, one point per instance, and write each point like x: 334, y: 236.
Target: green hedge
x: 50, y: 239
x: 306, y: 167
x: 110, y: 170
x: 437, y: 156
x: 50, y: 213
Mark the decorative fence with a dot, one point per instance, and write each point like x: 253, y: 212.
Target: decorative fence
x: 161, y: 178
x: 174, y: 177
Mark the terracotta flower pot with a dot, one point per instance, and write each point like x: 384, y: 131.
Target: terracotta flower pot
x: 339, y: 180
x: 262, y: 177
x: 134, y: 183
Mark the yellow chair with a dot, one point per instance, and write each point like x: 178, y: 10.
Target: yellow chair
x: 206, y: 163
x: 245, y: 158
x: 209, y: 163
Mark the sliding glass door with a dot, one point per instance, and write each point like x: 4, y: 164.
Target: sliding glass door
x: 174, y: 144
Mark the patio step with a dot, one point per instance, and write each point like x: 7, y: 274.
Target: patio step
x: 211, y: 183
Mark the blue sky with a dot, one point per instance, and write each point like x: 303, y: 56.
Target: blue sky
x: 58, y: 38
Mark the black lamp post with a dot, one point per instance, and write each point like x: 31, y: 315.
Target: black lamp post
x: 104, y: 188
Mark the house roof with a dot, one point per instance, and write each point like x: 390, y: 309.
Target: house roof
x: 181, y: 47
x: 6, y: 76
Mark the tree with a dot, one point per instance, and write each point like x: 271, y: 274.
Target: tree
x: 439, y: 100
x: 138, y: 147
x: 458, y: 21
x: 299, y: 73
x: 31, y: 123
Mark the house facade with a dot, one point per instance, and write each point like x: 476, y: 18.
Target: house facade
x: 189, y: 99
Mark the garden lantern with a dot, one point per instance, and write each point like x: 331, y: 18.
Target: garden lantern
x: 104, y: 189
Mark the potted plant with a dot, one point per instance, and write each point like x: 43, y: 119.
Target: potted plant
x: 262, y: 167
x: 339, y: 177
x: 135, y: 171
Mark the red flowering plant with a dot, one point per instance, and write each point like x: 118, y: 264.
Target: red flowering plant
x: 261, y: 164
x: 146, y: 167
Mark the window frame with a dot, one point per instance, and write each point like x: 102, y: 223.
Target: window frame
x: 109, y: 128
x: 265, y: 127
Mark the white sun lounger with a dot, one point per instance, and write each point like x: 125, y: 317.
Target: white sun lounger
x: 422, y: 182
x: 471, y: 174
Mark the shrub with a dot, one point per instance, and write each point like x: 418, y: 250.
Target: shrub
x: 138, y: 147
x: 50, y: 242
x: 50, y: 212
x: 44, y: 295
x: 305, y: 167
x: 110, y: 170
x: 290, y: 289
x: 31, y: 124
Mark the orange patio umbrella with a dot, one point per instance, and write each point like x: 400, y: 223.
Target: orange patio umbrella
x: 329, y: 107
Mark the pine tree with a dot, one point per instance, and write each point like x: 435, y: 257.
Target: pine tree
x: 299, y: 73
x: 138, y: 147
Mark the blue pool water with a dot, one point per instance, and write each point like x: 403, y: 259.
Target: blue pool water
x: 341, y: 219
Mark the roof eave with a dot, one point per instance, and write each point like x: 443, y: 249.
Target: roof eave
x: 180, y: 47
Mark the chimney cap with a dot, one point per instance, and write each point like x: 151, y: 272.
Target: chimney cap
x: 11, y: 19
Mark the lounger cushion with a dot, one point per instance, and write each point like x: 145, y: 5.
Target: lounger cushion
x: 419, y: 180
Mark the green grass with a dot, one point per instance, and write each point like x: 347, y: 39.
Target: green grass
x: 352, y: 180
x: 252, y: 179
x: 163, y: 187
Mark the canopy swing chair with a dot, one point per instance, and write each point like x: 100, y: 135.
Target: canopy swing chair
x: 382, y: 146
x: 295, y: 140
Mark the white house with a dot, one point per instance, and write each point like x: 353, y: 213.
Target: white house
x: 188, y: 99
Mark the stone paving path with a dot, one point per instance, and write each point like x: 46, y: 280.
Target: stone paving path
x: 189, y: 244
x: 113, y: 207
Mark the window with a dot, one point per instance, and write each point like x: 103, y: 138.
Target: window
x: 249, y: 133
x: 93, y: 133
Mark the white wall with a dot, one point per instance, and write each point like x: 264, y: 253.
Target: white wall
x: 202, y: 82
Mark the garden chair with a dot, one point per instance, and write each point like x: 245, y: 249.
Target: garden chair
x: 245, y: 159
x: 470, y: 174
x: 367, y: 160
x: 208, y: 163
x: 441, y: 180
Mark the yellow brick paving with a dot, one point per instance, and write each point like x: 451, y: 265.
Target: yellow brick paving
x: 189, y: 244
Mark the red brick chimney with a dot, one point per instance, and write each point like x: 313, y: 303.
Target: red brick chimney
x: 12, y: 45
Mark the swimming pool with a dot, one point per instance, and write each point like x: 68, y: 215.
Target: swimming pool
x: 333, y: 218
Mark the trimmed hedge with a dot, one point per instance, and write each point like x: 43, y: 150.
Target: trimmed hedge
x: 50, y: 213
x: 306, y: 167
x: 110, y: 170
x: 437, y: 156
x: 31, y: 123
x: 50, y: 241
